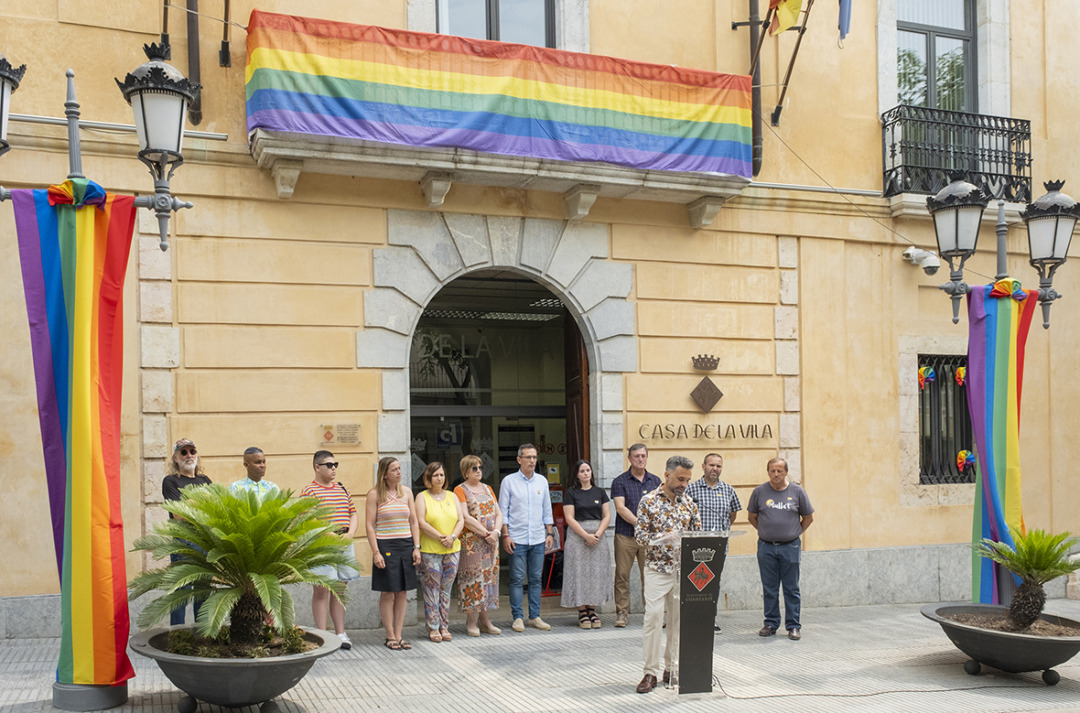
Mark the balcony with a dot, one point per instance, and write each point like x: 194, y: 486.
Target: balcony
x: 336, y: 98
x: 921, y: 146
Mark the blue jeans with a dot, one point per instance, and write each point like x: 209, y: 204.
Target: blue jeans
x: 533, y: 556
x: 779, y: 565
x: 176, y: 616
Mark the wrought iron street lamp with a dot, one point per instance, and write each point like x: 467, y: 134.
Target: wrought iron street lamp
x: 957, y: 211
x: 9, y: 81
x: 159, y: 95
x: 1050, y: 222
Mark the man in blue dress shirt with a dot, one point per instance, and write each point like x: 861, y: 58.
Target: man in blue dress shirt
x: 527, y: 534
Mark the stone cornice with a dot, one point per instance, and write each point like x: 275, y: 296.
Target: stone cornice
x: 371, y: 160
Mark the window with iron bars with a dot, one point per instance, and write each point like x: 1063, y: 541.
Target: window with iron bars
x: 944, y: 422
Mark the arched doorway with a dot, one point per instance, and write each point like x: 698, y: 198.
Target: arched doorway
x: 497, y: 361
x: 428, y: 250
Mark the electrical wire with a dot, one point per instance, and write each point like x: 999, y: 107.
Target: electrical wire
x: 855, y: 205
x: 717, y: 684
x: 208, y: 17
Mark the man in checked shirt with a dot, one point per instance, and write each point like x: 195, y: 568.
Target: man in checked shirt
x: 716, y: 500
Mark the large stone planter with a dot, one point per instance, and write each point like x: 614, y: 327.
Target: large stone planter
x: 232, y: 682
x: 1008, y: 651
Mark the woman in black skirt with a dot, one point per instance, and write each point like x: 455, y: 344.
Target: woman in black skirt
x: 394, y: 537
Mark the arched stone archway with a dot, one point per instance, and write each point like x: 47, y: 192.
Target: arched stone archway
x: 428, y: 250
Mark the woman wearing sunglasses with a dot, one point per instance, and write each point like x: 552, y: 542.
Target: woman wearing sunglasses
x: 478, y: 573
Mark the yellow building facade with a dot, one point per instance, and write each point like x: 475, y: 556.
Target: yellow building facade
x: 294, y: 302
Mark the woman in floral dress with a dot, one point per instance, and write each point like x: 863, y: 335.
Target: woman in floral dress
x: 478, y: 572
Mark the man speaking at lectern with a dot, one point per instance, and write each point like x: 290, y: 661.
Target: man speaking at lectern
x: 662, y: 516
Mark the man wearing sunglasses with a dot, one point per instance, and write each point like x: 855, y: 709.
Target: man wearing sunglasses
x: 344, y: 519
x: 184, y: 471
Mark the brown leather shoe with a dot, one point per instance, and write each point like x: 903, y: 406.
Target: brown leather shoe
x: 666, y: 678
x: 766, y: 631
x: 794, y: 634
x: 647, y: 684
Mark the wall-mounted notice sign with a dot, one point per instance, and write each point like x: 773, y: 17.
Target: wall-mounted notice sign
x: 343, y: 434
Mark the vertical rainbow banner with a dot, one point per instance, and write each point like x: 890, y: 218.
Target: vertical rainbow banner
x: 74, y: 242
x: 391, y: 86
x: 999, y: 317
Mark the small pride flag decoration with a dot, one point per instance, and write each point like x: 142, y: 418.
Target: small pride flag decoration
x: 74, y: 241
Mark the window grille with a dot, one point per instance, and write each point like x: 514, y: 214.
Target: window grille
x: 944, y: 422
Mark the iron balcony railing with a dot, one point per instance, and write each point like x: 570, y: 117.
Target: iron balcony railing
x: 921, y: 147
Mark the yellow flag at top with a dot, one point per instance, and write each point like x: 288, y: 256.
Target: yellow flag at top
x: 786, y: 14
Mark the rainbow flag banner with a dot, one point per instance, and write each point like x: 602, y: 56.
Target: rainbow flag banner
x: 416, y: 89
x: 999, y: 317
x: 74, y: 242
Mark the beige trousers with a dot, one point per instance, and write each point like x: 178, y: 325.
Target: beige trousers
x: 661, y: 596
x: 627, y: 550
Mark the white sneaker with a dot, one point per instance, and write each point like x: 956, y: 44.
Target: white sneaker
x: 518, y: 625
x: 346, y: 643
x: 540, y: 624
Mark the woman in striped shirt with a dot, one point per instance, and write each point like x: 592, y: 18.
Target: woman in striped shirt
x: 394, y: 537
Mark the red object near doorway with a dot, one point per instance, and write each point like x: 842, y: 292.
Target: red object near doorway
x: 553, y: 559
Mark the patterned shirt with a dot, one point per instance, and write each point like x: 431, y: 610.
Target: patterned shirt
x: 659, y: 516
x: 714, y: 504
x: 261, y: 488
x: 335, y: 497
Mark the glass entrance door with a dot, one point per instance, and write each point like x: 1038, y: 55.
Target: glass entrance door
x: 488, y: 372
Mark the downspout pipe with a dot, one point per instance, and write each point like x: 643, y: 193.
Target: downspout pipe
x: 755, y: 90
x: 194, y: 75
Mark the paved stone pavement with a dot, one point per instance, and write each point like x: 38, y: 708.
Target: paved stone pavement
x: 873, y: 658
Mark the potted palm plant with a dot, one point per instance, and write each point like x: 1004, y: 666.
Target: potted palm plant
x: 237, y: 554
x: 1012, y: 644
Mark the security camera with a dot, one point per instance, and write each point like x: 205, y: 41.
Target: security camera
x: 929, y: 262
x: 925, y: 259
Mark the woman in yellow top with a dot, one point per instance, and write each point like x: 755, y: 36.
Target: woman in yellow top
x: 441, y: 520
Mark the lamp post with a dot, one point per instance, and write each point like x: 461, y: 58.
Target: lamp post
x: 9, y: 81
x: 79, y: 259
x: 159, y: 96
x: 957, y: 211
x: 999, y: 318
